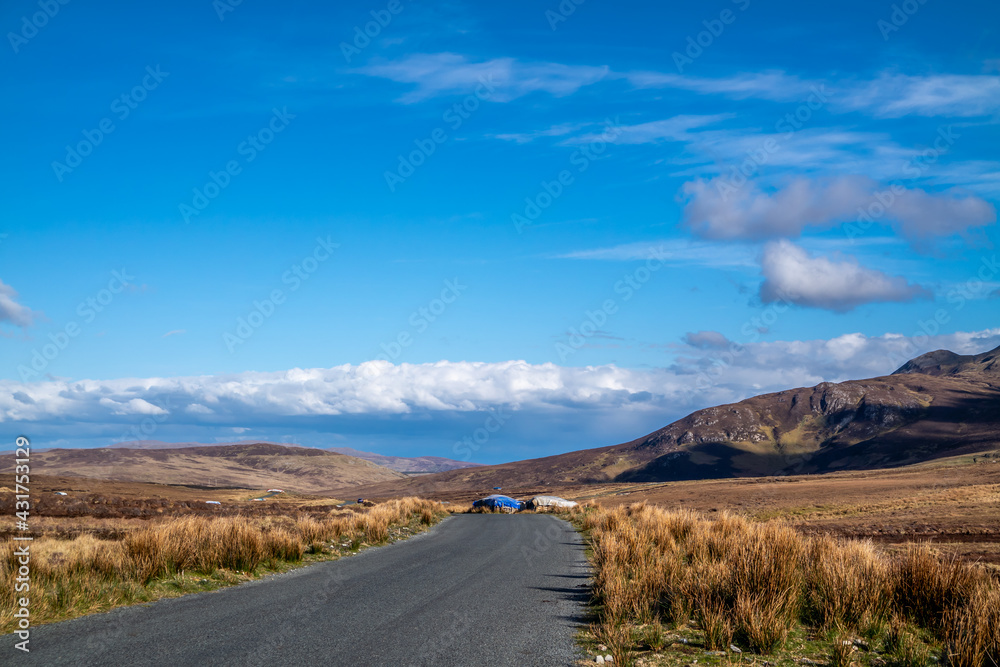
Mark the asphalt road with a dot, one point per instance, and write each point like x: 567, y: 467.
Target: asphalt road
x: 478, y: 589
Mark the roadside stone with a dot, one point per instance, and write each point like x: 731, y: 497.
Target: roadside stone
x: 599, y: 660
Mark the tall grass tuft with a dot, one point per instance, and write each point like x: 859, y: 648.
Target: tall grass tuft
x: 848, y: 585
x: 70, y: 577
x: 752, y: 583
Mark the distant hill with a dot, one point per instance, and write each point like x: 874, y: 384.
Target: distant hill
x: 939, y: 404
x: 946, y: 363
x: 411, y: 464
x: 251, y: 465
x: 159, y: 444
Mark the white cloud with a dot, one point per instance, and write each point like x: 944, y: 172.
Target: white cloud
x: 716, y: 209
x: 771, y: 85
x: 755, y: 367
x: 677, y: 128
x: 890, y: 95
x: 134, y: 406
x: 793, y: 275
x: 672, y: 251
x: 13, y: 312
x: 816, y: 146
x: 378, y: 392
x: 706, y: 340
x: 436, y: 74
x: 982, y: 176
x: 895, y: 95
x: 709, y: 148
x: 374, y: 387
x: 560, y: 130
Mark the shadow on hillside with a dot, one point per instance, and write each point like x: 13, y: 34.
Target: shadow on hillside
x: 878, y: 436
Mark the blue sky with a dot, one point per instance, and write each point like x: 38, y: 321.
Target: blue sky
x: 259, y: 222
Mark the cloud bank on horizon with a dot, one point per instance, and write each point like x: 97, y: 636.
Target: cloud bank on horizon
x: 709, y: 369
x: 650, y: 208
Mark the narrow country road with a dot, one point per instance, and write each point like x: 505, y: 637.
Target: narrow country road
x: 479, y: 589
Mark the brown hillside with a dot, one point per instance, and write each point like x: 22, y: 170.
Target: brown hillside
x: 940, y: 404
x: 254, y: 466
x: 410, y: 464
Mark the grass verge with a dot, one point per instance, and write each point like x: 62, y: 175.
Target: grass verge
x: 189, y: 554
x: 676, y: 588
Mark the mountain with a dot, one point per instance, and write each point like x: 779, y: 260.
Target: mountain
x: 405, y: 464
x: 409, y: 464
x: 939, y: 404
x: 159, y: 444
x: 945, y: 362
x: 252, y: 465
x: 936, y: 405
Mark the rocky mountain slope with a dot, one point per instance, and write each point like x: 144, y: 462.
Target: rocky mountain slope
x: 939, y: 404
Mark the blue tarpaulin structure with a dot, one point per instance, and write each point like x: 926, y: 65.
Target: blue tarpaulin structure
x: 498, y: 502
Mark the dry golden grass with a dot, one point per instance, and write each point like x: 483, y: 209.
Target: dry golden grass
x: 84, y: 574
x: 753, y: 583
